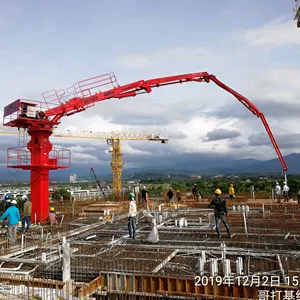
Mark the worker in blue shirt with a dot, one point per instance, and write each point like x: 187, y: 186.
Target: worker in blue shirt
x: 13, y: 215
x: 7, y: 199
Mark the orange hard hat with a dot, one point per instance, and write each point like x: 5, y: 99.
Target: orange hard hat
x: 231, y: 185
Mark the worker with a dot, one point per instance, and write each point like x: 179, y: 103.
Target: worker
x: 7, y: 198
x: 170, y: 195
x: 24, y: 111
x: 285, y: 190
x: 26, y: 214
x: 278, y: 192
x: 132, y: 213
x: 231, y: 191
x: 178, y: 196
x: 219, y: 205
x: 195, y: 192
x: 52, y: 216
x: 13, y: 215
x: 144, y: 197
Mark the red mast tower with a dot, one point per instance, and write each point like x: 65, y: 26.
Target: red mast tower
x: 39, y: 119
x: 38, y: 155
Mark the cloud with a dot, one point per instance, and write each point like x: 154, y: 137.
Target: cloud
x: 169, y: 55
x: 128, y: 149
x: 285, y: 141
x: 237, y: 144
x: 273, y: 35
x: 176, y: 135
x: 220, y: 134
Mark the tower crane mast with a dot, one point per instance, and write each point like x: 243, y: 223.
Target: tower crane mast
x: 41, y: 117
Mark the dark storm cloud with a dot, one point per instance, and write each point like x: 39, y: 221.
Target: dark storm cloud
x: 220, y: 134
x: 147, y: 111
x: 285, y: 141
x: 268, y: 108
x: 237, y: 145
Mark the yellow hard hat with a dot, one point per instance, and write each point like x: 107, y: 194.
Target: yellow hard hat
x: 218, y: 192
x: 52, y: 209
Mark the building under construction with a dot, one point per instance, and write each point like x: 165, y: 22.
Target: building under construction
x: 176, y: 255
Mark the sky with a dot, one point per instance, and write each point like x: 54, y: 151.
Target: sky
x: 251, y: 46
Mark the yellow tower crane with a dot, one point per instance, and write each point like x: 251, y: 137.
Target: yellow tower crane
x: 112, y: 138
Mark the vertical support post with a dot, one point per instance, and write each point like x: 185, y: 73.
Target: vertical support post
x: 223, y: 251
x: 66, y: 260
x: 245, y: 222
x: 239, y: 266
x: 285, y: 178
x: 39, y: 147
x: 226, y: 268
x: 213, y: 267
x: 22, y: 242
x: 201, y: 266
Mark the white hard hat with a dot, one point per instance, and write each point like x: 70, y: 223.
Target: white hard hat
x: 277, y: 183
x: 284, y: 183
x: 24, y: 197
x: 144, y: 187
x: 14, y: 202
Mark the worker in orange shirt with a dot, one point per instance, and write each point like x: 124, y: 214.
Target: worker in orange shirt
x: 231, y: 191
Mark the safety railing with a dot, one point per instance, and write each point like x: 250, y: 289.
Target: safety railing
x: 20, y: 157
x: 83, y: 88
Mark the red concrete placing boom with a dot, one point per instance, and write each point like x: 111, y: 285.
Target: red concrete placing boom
x: 39, y: 118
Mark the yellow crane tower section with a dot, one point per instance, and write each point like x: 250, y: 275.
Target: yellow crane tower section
x: 112, y: 138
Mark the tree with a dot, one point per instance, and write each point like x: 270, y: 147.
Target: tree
x: 61, y: 192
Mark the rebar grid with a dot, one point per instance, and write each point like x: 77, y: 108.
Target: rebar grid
x: 102, y: 247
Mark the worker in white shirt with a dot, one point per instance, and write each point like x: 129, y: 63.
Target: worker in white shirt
x: 286, y: 192
x: 278, y: 192
x: 132, y: 216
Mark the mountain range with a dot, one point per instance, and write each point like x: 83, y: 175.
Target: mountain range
x: 210, y: 167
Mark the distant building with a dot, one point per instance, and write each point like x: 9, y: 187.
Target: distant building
x: 72, y: 178
x: 218, y: 176
x: 195, y: 176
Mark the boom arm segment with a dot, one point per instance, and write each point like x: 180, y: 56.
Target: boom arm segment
x: 78, y: 103
x: 248, y: 104
x: 98, y: 182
